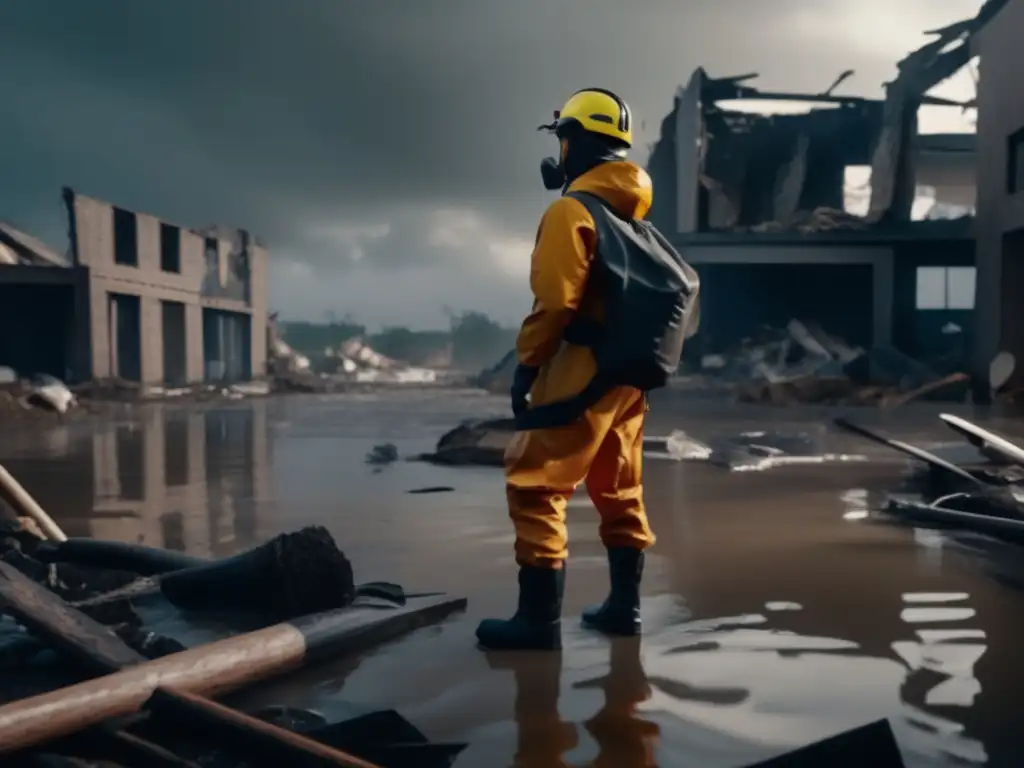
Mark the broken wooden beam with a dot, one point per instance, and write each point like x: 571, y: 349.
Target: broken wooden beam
x: 69, y: 631
x: 244, y: 733
x: 214, y: 668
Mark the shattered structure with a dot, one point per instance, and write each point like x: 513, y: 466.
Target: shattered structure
x: 1000, y: 221
x: 756, y: 202
x: 733, y: 170
x: 138, y: 300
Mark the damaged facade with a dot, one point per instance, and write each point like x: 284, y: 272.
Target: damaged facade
x: 756, y: 202
x: 1000, y: 191
x: 140, y: 300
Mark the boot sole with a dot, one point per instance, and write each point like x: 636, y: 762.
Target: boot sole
x: 613, y: 631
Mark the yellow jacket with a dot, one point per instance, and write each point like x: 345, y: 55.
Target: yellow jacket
x: 559, y: 272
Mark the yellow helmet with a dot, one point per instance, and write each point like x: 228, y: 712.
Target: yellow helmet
x: 597, y: 111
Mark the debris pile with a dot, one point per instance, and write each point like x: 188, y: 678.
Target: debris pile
x: 357, y: 361
x: 483, y: 443
x: 804, y: 364
x: 981, y: 505
x: 41, y: 394
x: 146, y: 699
x: 498, y: 378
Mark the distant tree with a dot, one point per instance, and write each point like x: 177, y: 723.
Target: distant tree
x: 477, y: 340
x: 312, y: 339
x: 414, y: 347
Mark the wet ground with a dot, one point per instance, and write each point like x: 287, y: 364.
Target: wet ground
x: 775, y: 614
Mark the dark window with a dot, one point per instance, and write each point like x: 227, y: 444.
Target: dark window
x: 1015, y: 163
x: 170, y: 248
x: 211, y: 248
x: 126, y: 238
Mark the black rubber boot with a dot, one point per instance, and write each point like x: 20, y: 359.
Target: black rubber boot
x: 537, y: 623
x: 620, y: 614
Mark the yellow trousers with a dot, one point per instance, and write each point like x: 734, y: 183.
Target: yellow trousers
x: 544, y: 467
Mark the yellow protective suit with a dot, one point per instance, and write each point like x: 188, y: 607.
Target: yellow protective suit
x: 604, y: 448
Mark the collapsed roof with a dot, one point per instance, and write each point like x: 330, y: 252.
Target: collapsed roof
x: 19, y: 248
x: 765, y: 172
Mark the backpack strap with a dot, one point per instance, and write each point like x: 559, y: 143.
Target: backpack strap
x: 580, y: 332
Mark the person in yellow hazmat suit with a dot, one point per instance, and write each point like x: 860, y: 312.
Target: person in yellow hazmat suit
x: 603, y: 445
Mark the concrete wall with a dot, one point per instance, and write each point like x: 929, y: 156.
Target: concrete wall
x: 1000, y: 286
x: 93, y: 229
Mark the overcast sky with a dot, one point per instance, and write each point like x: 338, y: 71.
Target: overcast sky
x: 386, y: 150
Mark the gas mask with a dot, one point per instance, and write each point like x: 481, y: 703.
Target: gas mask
x: 553, y: 174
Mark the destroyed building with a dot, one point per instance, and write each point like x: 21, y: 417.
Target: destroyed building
x: 1000, y: 255
x: 755, y: 201
x: 137, y: 300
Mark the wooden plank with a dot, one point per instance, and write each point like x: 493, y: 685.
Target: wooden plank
x: 213, y: 668
x: 95, y: 647
x: 252, y: 736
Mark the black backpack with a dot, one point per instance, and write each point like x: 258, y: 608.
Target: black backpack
x: 650, y: 297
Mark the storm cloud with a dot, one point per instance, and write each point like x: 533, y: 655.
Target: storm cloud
x: 385, y: 150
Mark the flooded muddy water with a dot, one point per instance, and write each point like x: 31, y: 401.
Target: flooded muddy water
x: 775, y: 614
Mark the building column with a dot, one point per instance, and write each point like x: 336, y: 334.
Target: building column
x: 194, y: 343
x: 151, y: 334
x: 882, y: 298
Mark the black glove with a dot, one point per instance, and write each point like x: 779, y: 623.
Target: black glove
x: 522, y: 383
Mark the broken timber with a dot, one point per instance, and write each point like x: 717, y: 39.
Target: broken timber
x: 95, y: 647
x: 244, y: 732
x: 213, y: 669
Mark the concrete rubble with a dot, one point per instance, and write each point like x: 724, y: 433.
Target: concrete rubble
x: 804, y: 364
x: 800, y: 363
x: 38, y: 396
x: 483, y: 443
x: 351, y: 364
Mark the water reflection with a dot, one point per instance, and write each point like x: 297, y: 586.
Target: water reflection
x: 808, y: 621
x: 188, y: 481
x: 543, y: 738
x: 623, y: 735
x: 183, y: 479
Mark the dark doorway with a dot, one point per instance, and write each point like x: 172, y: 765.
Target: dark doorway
x: 126, y: 330
x: 943, y: 312
x: 227, y: 346
x: 738, y: 299
x: 175, y: 344
x: 38, y: 323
